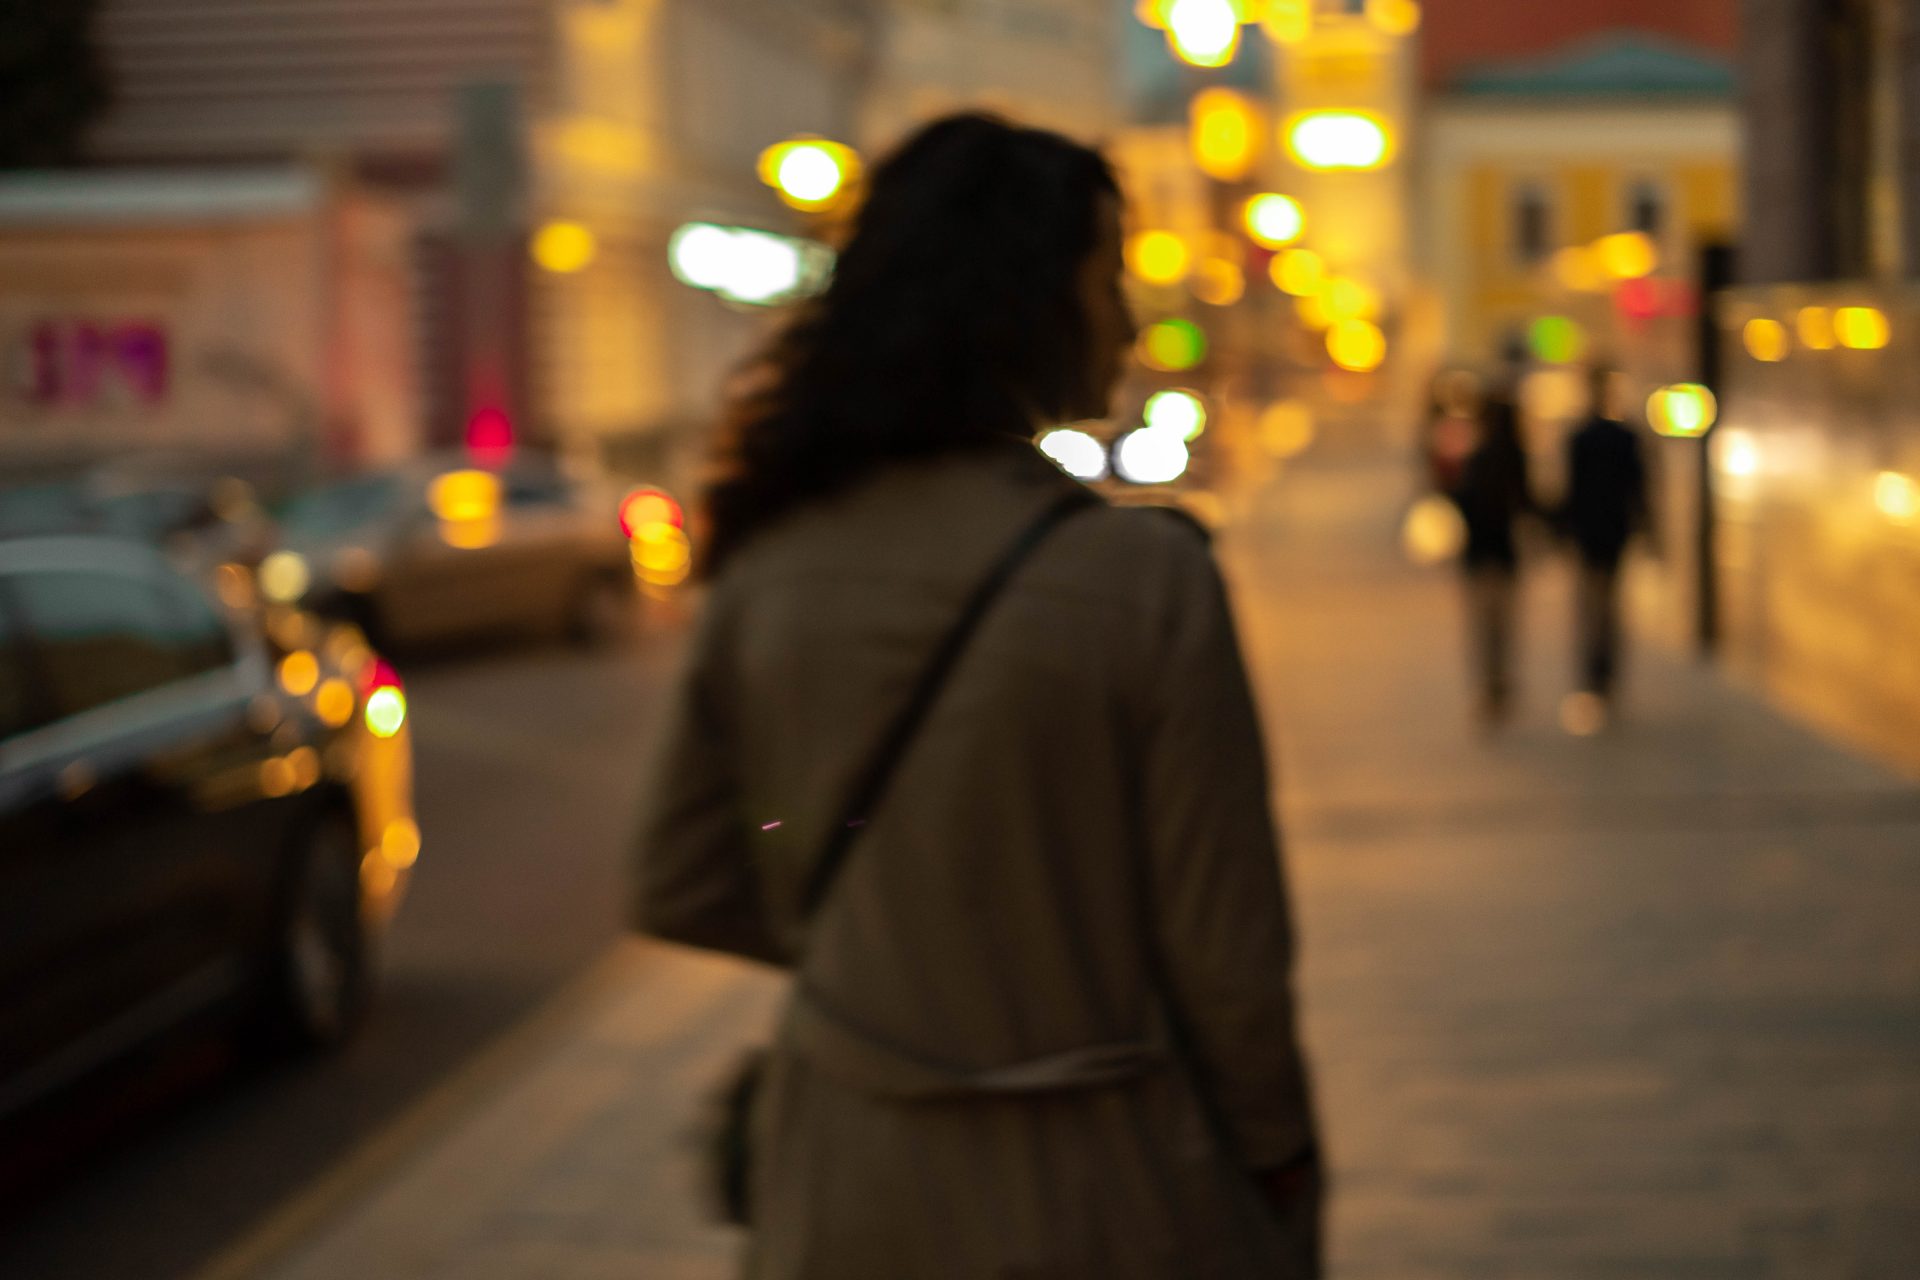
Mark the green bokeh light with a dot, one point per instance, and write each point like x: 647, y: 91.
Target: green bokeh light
x: 1173, y: 345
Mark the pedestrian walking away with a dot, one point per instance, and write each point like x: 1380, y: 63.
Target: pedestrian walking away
x: 1606, y: 506
x: 973, y: 754
x: 1489, y: 484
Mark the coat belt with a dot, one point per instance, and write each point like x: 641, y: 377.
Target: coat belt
x: 884, y: 1070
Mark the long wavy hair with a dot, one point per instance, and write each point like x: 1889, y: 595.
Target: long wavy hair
x: 952, y: 320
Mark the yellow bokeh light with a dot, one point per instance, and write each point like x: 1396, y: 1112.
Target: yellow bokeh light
x: 386, y: 711
x: 377, y: 878
x: 1286, y: 428
x: 1628, y: 255
x: 1897, y: 496
x: 464, y: 495
x: 299, y: 672
x: 1274, y: 220
x: 1349, y: 299
x: 1158, y: 257
x: 1205, y: 33
x: 1312, y: 310
x: 809, y: 173
x: 1288, y: 21
x: 1357, y: 345
x: 304, y: 764
x: 400, y: 843
x: 1683, y: 410
x: 1862, y: 328
x: 1579, y: 269
x: 1299, y: 272
x: 1225, y: 130
x: 1394, y: 17
x: 283, y: 577
x: 1152, y: 13
x: 333, y: 702
x: 1815, y: 328
x: 276, y: 776
x: 1766, y: 340
x: 470, y: 535
x: 1219, y: 283
x: 1338, y: 140
x: 564, y: 247
x: 1433, y: 531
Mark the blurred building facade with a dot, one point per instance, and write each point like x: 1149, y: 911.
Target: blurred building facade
x: 462, y: 129
x: 1816, y: 462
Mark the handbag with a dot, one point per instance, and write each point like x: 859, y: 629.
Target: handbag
x: 729, y: 1145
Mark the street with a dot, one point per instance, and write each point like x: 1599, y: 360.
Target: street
x: 528, y: 759
x: 1636, y: 1005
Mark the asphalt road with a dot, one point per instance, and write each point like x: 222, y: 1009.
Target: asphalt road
x: 527, y: 761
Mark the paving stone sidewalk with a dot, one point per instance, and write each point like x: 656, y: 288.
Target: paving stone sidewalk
x: 1643, y: 1005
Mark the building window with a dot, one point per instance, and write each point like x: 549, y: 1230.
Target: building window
x: 1647, y: 208
x: 1532, y: 225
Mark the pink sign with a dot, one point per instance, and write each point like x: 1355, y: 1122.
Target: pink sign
x: 76, y: 362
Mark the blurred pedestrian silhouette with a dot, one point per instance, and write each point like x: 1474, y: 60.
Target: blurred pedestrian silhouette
x: 1042, y: 1020
x: 1606, y: 505
x: 1479, y: 461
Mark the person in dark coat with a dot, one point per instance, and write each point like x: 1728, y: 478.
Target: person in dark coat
x: 1492, y: 491
x: 1606, y: 505
x: 1043, y: 1024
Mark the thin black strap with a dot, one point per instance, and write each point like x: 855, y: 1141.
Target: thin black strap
x: 865, y: 797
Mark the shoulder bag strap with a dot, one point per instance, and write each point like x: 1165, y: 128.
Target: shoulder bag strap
x: 873, y: 779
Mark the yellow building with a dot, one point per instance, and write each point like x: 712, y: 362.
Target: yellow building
x: 1580, y: 186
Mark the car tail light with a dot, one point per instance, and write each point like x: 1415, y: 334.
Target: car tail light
x: 385, y: 699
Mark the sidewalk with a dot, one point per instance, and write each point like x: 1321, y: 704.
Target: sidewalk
x: 1645, y: 1005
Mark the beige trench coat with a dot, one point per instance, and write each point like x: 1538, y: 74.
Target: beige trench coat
x: 977, y: 1077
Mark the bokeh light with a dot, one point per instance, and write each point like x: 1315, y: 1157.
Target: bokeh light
x: 1179, y: 411
x: 1338, y: 140
x: 1205, y: 33
x: 1432, y: 531
x: 1682, y: 410
x: 1357, y: 345
x: 1288, y: 21
x: 1896, y: 496
x: 1158, y: 257
x: 1172, y: 346
x: 1076, y: 453
x: 1146, y: 456
x: 647, y: 505
x: 1350, y: 299
x: 564, y: 247
x: 333, y: 702
x: 1628, y: 255
x: 1394, y: 17
x: 1219, y: 283
x: 1274, y: 220
x: 742, y: 265
x: 808, y: 173
x: 1226, y: 133
x: 386, y: 711
x: 400, y: 843
x: 1862, y: 328
x: 1556, y: 339
x: 1814, y: 326
x: 284, y: 577
x: 299, y: 672
x: 1299, y: 272
x: 460, y: 496
x: 1766, y: 340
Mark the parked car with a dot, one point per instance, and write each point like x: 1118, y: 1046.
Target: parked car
x: 199, y: 516
x: 443, y: 548
x: 205, y: 811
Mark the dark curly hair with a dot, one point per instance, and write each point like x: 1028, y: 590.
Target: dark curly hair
x: 952, y: 321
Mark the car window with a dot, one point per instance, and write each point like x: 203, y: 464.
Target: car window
x: 100, y: 636
x: 341, y: 508
x: 537, y: 489
x: 198, y: 634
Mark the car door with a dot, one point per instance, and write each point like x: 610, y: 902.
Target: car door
x: 130, y: 797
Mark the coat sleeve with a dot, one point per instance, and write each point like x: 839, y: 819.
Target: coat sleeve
x: 1219, y: 903
x: 695, y: 881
